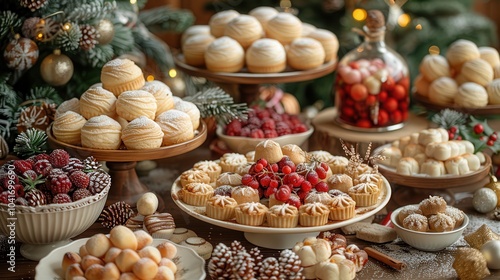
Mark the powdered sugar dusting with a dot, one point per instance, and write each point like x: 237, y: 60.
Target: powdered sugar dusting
x: 102, y: 121
x: 172, y: 115
x: 142, y: 121
x: 117, y: 62
x: 156, y: 86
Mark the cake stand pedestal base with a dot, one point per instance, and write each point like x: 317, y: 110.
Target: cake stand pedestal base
x: 277, y: 241
x: 125, y: 184
x: 36, y: 252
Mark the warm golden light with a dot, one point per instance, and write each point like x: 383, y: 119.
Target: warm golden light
x: 172, y: 73
x: 404, y: 20
x: 434, y: 50
x: 359, y: 14
x: 150, y: 78
x: 67, y: 26
x: 39, y: 36
x: 133, y: 2
x: 418, y: 26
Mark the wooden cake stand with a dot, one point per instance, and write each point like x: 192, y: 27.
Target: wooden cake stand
x: 249, y: 83
x: 125, y: 184
x: 488, y: 110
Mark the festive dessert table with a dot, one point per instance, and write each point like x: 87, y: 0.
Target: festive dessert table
x: 420, y: 265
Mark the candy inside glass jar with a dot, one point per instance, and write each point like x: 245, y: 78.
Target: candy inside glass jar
x: 372, y: 83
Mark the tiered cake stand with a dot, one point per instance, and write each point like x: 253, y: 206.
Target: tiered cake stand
x: 488, y: 110
x: 125, y: 184
x: 248, y: 83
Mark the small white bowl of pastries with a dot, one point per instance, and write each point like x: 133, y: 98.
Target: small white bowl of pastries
x: 430, y: 241
x: 243, y: 145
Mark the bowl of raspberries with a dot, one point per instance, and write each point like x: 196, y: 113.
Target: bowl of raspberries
x: 242, y: 136
x: 49, y: 198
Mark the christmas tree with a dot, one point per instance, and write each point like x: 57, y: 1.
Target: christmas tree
x: 54, y: 50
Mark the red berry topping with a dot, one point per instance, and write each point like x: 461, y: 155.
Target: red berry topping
x: 246, y: 179
x: 21, y: 166
x: 254, y: 184
x: 30, y: 174
x: 282, y: 194
x: 286, y: 169
x: 80, y: 194
x: 18, y: 190
x: 321, y: 186
x: 58, y: 182
x: 321, y: 172
x: 295, y: 201
x: 306, y: 186
x: 233, y: 128
x: 59, y: 158
x: 43, y: 167
x: 79, y: 179
x: 61, y: 198
x: 257, y: 133
x: 312, y: 177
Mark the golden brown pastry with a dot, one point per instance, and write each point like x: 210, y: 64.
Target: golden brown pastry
x: 190, y: 109
x: 266, y: 56
x: 244, y: 29
x: 471, y: 95
x: 194, y: 49
x: 328, y: 40
x: 133, y: 104
x: 493, y: 90
x: 461, y: 51
x: 227, y: 50
x: 142, y: 133
x: 72, y: 104
x: 432, y: 205
x: 434, y: 66
x: 162, y: 94
x: 270, y: 150
x: 284, y: 27
x: 67, y: 127
x: 194, y: 30
x: 122, y: 237
x: 307, y: 28
x: 421, y: 85
x: 97, y: 101
x: 305, y: 53
x: 101, y: 132
x: 219, y: 21
x: 263, y: 14
x: 294, y: 152
x: 489, y: 55
x: 176, y: 126
x: 477, y: 71
x: 443, y: 91
x: 119, y: 75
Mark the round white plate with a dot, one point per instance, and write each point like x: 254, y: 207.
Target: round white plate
x: 281, y: 238
x: 190, y: 266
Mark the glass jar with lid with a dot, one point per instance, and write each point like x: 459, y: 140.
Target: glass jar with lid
x: 372, y: 82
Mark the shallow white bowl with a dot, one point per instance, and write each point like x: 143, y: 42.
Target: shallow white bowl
x: 427, y: 241
x: 243, y: 145
x: 46, y: 227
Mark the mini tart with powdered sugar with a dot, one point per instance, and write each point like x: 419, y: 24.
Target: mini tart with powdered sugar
x: 250, y: 213
x: 228, y: 178
x: 194, y: 176
x: 196, y: 194
x: 221, y: 207
x: 370, y: 177
x: 313, y: 214
x: 210, y: 167
x: 416, y: 222
x: 315, y: 196
x: 365, y: 194
x: 342, y: 207
x: 337, y: 164
x: 231, y: 161
x: 282, y: 216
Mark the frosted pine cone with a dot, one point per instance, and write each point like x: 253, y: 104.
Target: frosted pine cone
x: 33, y: 5
x: 237, y: 247
x: 243, y: 265
x: 99, y: 180
x: 73, y: 165
x: 291, y: 265
x: 35, y: 198
x: 89, y: 37
x: 220, y: 264
x: 257, y: 257
x: 116, y: 214
x: 91, y: 164
x: 270, y: 269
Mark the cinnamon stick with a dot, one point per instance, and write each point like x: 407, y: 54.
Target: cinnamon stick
x: 396, y: 264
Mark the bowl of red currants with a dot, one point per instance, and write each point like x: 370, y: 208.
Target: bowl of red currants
x: 242, y: 136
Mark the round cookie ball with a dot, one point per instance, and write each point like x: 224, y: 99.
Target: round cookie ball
x: 193, y: 31
x: 477, y: 71
x: 421, y: 85
x: 244, y: 29
x: 489, y: 55
x: 461, y: 51
x: 471, y: 95
x: 434, y: 66
x: 224, y: 49
x: 443, y: 91
x: 122, y: 237
x: 219, y: 21
x: 484, y: 200
x: 133, y: 104
x: 284, y: 27
x: 147, y: 204
x: 493, y: 90
x: 263, y: 14
x: 119, y: 75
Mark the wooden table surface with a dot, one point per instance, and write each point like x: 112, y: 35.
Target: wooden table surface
x: 421, y: 265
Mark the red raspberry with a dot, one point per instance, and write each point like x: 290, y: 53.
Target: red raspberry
x: 80, y: 194
x: 245, y: 132
x: 299, y: 128
x: 262, y: 113
x: 4, y: 197
x: 253, y: 122
x: 79, y: 179
x: 43, y: 167
x: 30, y: 174
x: 233, y: 128
x: 61, y: 198
x: 283, y: 129
x: 270, y: 133
x: 59, y: 158
x: 257, y: 133
x: 21, y: 166
x: 58, y: 182
x: 277, y: 117
x: 18, y: 190
x: 41, y: 156
x: 268, y: 123
x: 9, y: 179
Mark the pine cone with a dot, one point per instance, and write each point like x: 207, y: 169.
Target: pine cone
x: 220, y: 264
x: 243, y: 265
x: 33, y: 5
x: 496, y: 214
x: 89, y: 37
x: 73, y: 165
x: 98, y: 181
x: 237, y: 247
x: 116, y: 214
x: 91, y: 164
x: 291, y: 265
x: 257, y: 257
x: 35, y: 198
x: 270, y: 269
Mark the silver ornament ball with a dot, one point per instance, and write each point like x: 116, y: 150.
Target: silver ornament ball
x: 484, y: 200
x: 491, y: 252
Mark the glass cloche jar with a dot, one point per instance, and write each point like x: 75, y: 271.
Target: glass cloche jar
x: 372, y: 82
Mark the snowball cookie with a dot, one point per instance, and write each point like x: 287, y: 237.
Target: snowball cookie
x: 421, y: 85
x: 162, y: 94
x: 190, y: 109
x: 305, y: 53
x: 244, y: 29
x: 97, y: 101
x: 471, y: 95
x: 101, y: 132
x: 489, y: 55
x: 461, y: 51
x: 493, y: 90
x: 135, y: 103
x: 328, y: 40
x: 434, y: 66
x: 147, y: 204
x: 67, y: 127
x: 443, y: 91
x: 194, y: 49
x: 266, y: 56
x: 72, y: 104
x: 284, y: 27
x: 119, y: 75
x: 224, y: 54
x: 263, y: 14
x: 307, y: 28
x: 194, y: 30
x: 142, y: 133
x: 218, y: 22
x: 270, y: 150
x: 176, y: 126
x: 477, y: 71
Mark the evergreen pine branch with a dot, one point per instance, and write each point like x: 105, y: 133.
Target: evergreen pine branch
x: 69, y: 40
x: 215, y: 102
x: 9, y: 104
x: 95, y: 9
x: 98, y: 56
x: 52, y: 7
x: 122, y: 40
x: 47, y: 94
x: 447, y: 118
x: 153, y: 48
x: 9, y: 21
x: 31, y: 142
x: 166, y: 19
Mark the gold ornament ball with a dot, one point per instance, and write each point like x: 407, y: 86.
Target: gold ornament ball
x: 495, y: 186
x: 491, y: 252
x: 56, y: 69
x: 106, y: 31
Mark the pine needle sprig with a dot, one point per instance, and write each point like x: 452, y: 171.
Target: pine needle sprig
x: 8, y: 21
x: 98, y: 56
x: 96, y: 9
x: 447, y: 118
x: 166, y: 19
x: 47, y: 94
x: 30, y: 142
x: 153, y: 47
x: 215, y: 102
x: 69, y: 40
